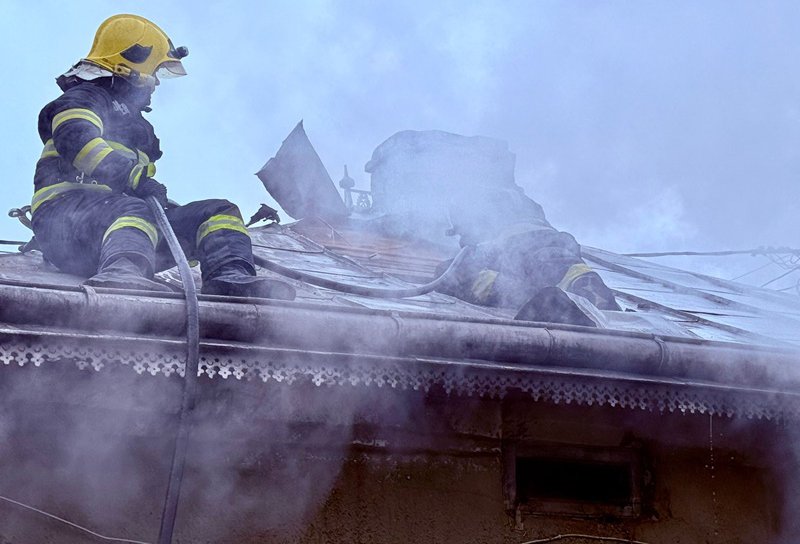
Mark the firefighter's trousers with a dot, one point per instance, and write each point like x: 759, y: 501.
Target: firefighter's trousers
x: 82, y: 231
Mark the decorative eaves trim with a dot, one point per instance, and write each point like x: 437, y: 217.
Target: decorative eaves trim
x: 560, y: 386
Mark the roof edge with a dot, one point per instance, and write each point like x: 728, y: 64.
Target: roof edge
x: 316, y: 328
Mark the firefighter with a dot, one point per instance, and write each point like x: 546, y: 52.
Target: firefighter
x: 88, y: 210
x: 520, y: 261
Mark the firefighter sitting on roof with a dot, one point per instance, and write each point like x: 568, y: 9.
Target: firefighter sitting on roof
x: 89, y: 216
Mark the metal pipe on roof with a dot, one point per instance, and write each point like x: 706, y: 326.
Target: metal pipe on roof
x: 312, y: 327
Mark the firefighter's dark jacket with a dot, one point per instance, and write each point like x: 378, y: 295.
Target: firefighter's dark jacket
x: 94, y: 133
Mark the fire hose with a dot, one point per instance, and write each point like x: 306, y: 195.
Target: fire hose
x: 377, y: 292
x: 170, y: 508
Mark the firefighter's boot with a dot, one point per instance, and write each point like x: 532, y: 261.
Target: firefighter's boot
x: 125, y: 273
x: 238, y: 279
x: 552, y: 305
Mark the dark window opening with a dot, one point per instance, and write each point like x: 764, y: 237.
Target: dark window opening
x: 571, y: 480
x: 566, y: 480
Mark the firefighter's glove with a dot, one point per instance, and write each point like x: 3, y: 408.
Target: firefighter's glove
x: 150, y: 187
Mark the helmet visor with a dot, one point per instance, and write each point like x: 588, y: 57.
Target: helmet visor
x: 170, y: 69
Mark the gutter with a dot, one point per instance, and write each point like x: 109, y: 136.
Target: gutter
x: 377, y: 333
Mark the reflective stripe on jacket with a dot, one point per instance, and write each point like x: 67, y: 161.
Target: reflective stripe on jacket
x: 90, y: 134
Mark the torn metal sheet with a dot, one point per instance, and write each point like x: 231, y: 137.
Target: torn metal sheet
x: 299, y: 182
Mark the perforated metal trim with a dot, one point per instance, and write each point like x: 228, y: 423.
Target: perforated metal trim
x: 455, y: 378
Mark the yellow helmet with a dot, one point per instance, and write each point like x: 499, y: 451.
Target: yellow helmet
x: 135, y: 48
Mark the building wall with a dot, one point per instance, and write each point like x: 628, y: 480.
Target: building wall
x: 302, y: 464
x: 700, y: 492
x: 461, y: 501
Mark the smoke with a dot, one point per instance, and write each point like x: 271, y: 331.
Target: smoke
x: 80, y: 445
x: 592, y: 99
x: 654, y: 209
x: 94, y: 448
x: 267, y: 457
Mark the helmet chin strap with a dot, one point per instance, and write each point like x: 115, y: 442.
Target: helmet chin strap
x: 135, y: 78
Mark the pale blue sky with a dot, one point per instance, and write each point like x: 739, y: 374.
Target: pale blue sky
x: 637, y: 125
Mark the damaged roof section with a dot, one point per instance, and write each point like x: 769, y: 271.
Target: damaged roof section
x: 655, y: 299
x: 702, y: 306
x: 286, y: 246
x: 417, y: 178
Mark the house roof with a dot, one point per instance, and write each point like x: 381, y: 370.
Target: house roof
x: 656, y: 299
x: 685, y: 342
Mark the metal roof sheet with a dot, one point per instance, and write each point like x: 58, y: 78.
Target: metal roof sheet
x: 656, y: 299
x: 715, y: 309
